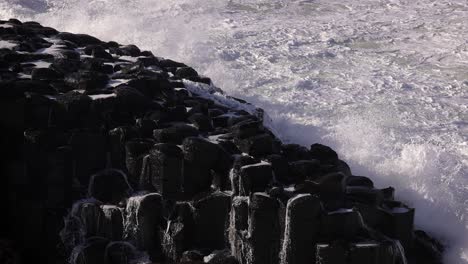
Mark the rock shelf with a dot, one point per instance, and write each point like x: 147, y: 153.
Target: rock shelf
x: 132, y: 158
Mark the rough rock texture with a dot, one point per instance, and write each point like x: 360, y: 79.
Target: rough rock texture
x: 132, y: 158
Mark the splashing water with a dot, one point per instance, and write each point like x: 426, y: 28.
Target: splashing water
x: 383, y: 82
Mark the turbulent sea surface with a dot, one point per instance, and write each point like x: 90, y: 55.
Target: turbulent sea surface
x: 384, y: 82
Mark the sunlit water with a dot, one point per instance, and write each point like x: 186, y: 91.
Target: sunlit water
x: 384, y: 82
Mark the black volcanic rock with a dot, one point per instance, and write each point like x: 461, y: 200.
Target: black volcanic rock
x: 323, y: 153
x: 109, y: 186
x: 157, y: 164
x: 79, y: 39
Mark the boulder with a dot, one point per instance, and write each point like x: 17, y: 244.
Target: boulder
x: 281, y: 168
x: 239, y: 162
x: 90, y: 217
x: 79, y: 39
x: 135, y: 150
x: 174, y: 134
x: 343, y: 223
x: 264, y: 229
x: 131, y: 100
x: 211, y: 214
x: 109, y: 186
x: 365, y: 195
x: 45, y: 74
x: 221, y: 257
x: 359, y: 181
x: 72, y: 109
x: 112, y: 222
x: 87, y: 80
x: 333, y: 253
x: 92, y: 252
x: 399, y: 223
x: 167, y: 163
x: 304, y: 169
x: 301, y: 229
x: 364, y: 253
x: 238, y: 226
x: 144, y: 224
x: 185, y: 72
x: 255, y: 178
x: 247, y: 128
x: 294, y: 152
x: 201, y: 121
x: 179, y: 235
x: 117, y: 140
x: 89, y: 153
x: 120, y: 252
x: 259, y: 145
x: 59, y: 182
x: 323, y: 153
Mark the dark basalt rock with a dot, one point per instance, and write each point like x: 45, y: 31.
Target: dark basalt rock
x: 90, y: 217
x: 66, y: 66
x: 214, y: 185
x: 202, y: 156
x: 323, y: 153
x: 281, y: 168
x: 295, y: 152
x: 333, y: 253
x: 201, y: 121
x: 259, y: 145
x: 305, y: 169
x: 192, y: 256
x: 211, y: 220
x: 174, y: 134
x: 97, y: 51
x: 131, y: 100
x: 117, y: 139
x: 112, y: 224
x: 167, y: 170
x: 135, y: 150
x: 185, y: 72
x: 341, y: 224
x: 247, y: 128
x: 144, y: 223
x: 109, y: 186
x: 130, y: 50
x: 263, y: 230
x: 79, y: 39
x: 92, y: 252
x: 180, y: 234
x: 429, y: 249
x: 89, y: 154
x: 45, y: 74
x: 359, y: 181
x: 87, y: 80
x: 120, y: 252
x: 254, y: 178
x: 302, y: 229
x: 221, y: 257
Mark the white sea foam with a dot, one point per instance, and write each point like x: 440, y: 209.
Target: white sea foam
x: 383, y: 82
x: 7, y: 44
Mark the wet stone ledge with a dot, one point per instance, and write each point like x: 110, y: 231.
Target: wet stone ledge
x: 132, y: 158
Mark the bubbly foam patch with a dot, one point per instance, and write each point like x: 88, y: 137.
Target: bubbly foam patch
x: 383, y: 82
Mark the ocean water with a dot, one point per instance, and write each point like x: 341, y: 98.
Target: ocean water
x: 384, y: 82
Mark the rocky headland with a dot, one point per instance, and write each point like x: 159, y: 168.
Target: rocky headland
x: 116, y: 156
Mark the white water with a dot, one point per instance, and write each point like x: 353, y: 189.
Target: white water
x: 384, y: 82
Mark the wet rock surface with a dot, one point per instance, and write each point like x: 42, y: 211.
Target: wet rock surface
x: 132, y: 158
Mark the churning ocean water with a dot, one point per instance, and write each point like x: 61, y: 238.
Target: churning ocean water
x: 384, y: 82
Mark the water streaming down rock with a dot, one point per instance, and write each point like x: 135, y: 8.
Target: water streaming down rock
x: 177, y: 212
